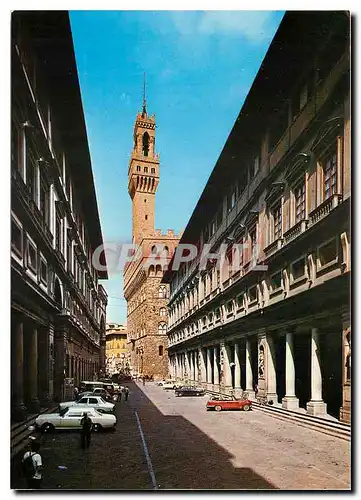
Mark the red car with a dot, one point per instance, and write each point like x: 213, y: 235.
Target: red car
x: 219, y: 403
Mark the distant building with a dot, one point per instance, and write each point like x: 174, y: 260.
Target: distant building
x: 58, y: 307
x: 146, y: 297
x: 281, y: 188
x: 117, y: 353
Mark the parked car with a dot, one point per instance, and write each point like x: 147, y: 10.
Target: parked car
x: 169, y: 385
x: 161, y: 382
x: 189, y: 391
x: 70, y: 418
x: 219, y: 403
x: 90, y: 401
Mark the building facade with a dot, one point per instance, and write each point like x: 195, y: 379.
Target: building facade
x: 281, y: 188
x: 117, y: 353
x: 58, y: 307
x: 146, y: 297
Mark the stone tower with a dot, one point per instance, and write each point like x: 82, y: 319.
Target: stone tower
x: 147, y: 298
x: 143, y: 175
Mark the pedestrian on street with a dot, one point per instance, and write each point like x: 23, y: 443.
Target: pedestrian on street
x: 75, y: 392
x: 86, y: 428
x: 119, y: 398
x: 126, y: 394
x: 32, y: 466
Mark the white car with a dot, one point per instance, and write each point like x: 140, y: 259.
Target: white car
x: 70, y: 418
x: 169, y: 385
x: 96, y: 402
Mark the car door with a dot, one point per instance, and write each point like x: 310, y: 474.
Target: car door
x: 83, y: 401
x: 94, y: 402
x: 71, y: 419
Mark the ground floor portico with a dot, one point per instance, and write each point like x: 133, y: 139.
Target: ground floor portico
x: 46, y: 352
x: 306, y: 365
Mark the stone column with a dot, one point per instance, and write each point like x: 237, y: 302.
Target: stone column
x: 227, y: 374
x: 203, y: 368
x: 316, y: 405
x: 187, y: 366
x: 290, y: 402
x: 215, y: 368
x: 209, y: 368
x: 249, y: 374
x: 271, y: 370
x: 345, y: 411
x: 237, y: 371
x: 34, y: 405
x: 60, y: 341
x: 18, y: 409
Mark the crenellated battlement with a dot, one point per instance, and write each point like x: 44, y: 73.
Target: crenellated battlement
x: 168, y: 234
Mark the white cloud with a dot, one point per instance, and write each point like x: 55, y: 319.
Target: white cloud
x: 252, y: 25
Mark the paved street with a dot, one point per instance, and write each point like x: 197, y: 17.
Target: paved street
x: 190, y: 448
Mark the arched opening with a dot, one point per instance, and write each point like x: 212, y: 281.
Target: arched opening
x: 162, y: 292
x: 57, y: 293
x: 158, y: 270
x: 151, y: 271
x: 162, y: 328
x: 163, y: 311
x: 145, y: 143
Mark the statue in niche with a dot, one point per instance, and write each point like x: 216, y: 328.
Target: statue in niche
x: 261, y: 362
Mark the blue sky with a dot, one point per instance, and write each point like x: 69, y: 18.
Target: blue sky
x: 199, y: 67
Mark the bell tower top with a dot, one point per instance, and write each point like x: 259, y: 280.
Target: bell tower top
x: 143, y: 173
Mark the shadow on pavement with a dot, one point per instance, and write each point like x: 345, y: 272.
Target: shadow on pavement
x: 183, y: 457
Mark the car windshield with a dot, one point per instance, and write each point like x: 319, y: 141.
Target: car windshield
x: 102, y: 400
x: 63, y: 411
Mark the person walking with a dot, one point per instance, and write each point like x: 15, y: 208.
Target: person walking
x: 32, y: 466
x: 119, y: 398
x: 86, y: 428
x: 143, y: 380
x: 75, y: 393
x: 126, y: 394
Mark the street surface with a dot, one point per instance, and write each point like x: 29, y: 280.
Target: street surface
x: 165, y: 442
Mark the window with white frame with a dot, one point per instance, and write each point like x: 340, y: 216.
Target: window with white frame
x: 43, y: 271
x: 327, y: 254
x: 163, y: 311
x: 240, y: 301
x: 276, y: 214
x: 16, y: 238
x: 298, y: 269
x: 252, y: 294
x: 329, y: 164
x: 276, y: 281
x: 31, y: 256
x: 229, y: 307
x: 300, y: 201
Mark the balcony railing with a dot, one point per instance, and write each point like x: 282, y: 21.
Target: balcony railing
x: 295, y: 230
x: 325, y: 208
x: 273, y: 247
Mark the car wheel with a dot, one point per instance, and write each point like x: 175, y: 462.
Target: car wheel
x: 97, y: 427
x: 246, y: 408
x: 47, y: 428
x: 218, y: 408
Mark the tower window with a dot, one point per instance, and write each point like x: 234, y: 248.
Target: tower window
x: 138, y: 168
x: 160, y: 348
x: 145, y: 144
x: 146, y: 217
x: 153, y: 170
x: 146, y: 170
x: 145, y: 200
